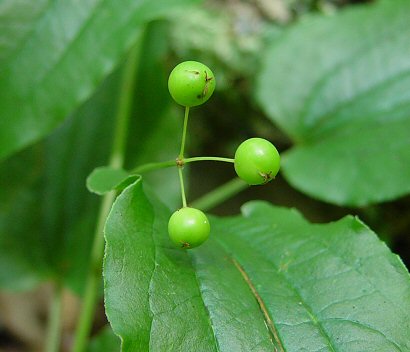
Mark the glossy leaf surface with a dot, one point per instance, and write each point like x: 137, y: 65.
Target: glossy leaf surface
x: 266, y: 280
x: 54, y: 55
x: 339, y: 86
x: 104, y: 179
x: 56, y: 214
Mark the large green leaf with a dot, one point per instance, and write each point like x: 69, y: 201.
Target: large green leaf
x: 55, y: 53
x: 22, y: 259
x: 339, y: 86
x: 267, y: 280
x: 47, y: 216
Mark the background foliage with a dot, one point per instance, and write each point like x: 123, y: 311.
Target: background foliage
x: 297, y: 72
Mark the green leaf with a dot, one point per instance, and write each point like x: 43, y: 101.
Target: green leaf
x: 22, y: 260
x: 105, y: 341
x: 267, y: 280
x: 344, y: 99
x: 104, y: 179
x: 55, y: 53
x: 47, y: 216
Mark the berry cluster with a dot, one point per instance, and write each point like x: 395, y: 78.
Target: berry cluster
x: 256, y: 160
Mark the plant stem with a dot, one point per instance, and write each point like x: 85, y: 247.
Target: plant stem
x: 54, y: 323
x: 169, y: 163
x: 181, y: 180
x: 220, y: 194
x: 181, y: 152
x: 93, y: 281
x: 208, y: 158
x: 153, y: 166
x: 181, y: 156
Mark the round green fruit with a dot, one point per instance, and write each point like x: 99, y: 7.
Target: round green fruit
x: 257, y: 161
x: 191, y: 83
x: 188, y: 227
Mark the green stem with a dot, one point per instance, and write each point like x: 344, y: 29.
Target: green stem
x: 220, y: 194
x: 208, y: 158
x: 93, y: 281
x: 153, y: 166
x: 54, y: 323
x: 181, y: 180
x: 181, y: 152
x: 164, y: 164
x: 181, y: 156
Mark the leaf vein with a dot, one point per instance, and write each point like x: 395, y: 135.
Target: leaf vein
x: 366, y: 326
x: 305, y: 305
x: 268, y: 321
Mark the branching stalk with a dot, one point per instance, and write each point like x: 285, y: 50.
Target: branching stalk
x: 181, y: 180
x: 181, y: 152
x: 208, y: 158
x: 153, y: 166
x: 164, y: 164
x: 181, y: 157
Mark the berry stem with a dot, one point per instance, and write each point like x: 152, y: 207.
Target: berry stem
x: 93, y: 281
x: 209, y: 158
x: 181, y: 180
x: 164, y: 164
x: 181, y: 152
x: 181, y: 156
x: 220, y: 194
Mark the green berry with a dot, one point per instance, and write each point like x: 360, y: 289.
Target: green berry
x: 257, y: 161
x: 188, y: 227
x: 191, y: 83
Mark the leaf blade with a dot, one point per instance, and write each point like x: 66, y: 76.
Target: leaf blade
x: 104, y: 179
x: 345, y: 103
x: 56, y: 214
x: 139, y: 318
x: 346, y: 244
x: 43, y: 79
x: 318, y: 287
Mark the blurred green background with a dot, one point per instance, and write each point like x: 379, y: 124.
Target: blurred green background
x: 285, y: 70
